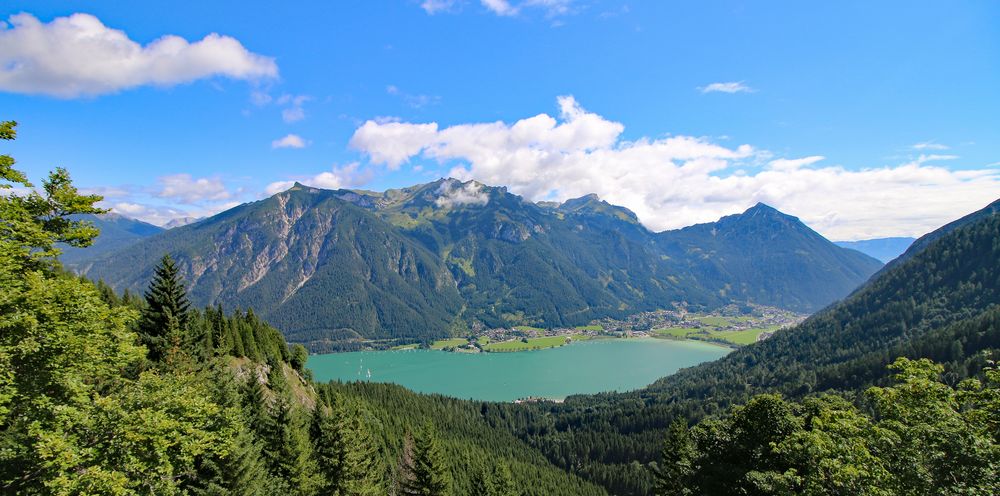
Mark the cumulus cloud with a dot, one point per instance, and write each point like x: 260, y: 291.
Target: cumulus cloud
x: 676, y: 181
x: 184, y: 188
x: 730, y: 87
x: 79, y: 56
x: 454, y: 193
x: 289, y: 141
x: 348, y: 176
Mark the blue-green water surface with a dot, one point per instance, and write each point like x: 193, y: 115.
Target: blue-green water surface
x: 578, y: 368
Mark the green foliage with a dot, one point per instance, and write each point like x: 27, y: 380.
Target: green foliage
x: 425, y: 471
x: 32, y: 223
x: 346, y: 451
x: 164, y: 321
x: 676, y: 461
x: 921, y: 439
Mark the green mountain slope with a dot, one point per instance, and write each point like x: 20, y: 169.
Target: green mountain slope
x: 329, y: 267
x: 519, y: 263
x: 310, y: 263
x: 769, y: 258
x: 942, y: 302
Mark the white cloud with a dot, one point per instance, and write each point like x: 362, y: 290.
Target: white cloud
x: 454, y: 193
x: 392, y: 143
x: 434, y: 6
x: 290, y: 141
x: 348, y: 176
x: 79, y: 56
x: 184, y: 188
x: 676, y: 181
x: 730, y: 87
x: 293, y: 111
x: 929, y: 145
x: 500, y: 7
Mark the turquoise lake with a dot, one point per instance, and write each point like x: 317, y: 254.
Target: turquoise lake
x: 578, y: 368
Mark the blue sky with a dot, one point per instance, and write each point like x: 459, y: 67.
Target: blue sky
x: 865, y: 119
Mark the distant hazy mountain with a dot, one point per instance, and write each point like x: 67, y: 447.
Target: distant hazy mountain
x: 417, y: 262
x: 884, y: 249
x: 181, y: 221
x: 117, y: 231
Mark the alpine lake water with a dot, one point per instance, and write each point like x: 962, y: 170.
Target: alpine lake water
x: 579, y: 368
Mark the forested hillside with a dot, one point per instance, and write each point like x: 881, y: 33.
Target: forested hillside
x: 940, y: 303
x: 103, y: 393
x: 793, y: 266
x: 332, y: 267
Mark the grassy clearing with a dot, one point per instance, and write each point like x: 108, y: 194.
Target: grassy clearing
x: 528, y: 328
x: 405, y: 347
x: 732, y: 337
x: 589, y: 328
x: 448, y: 343
x: 532, y: 344
x: 714, y: 321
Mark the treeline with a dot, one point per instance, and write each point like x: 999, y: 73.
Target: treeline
x: 109, y: 394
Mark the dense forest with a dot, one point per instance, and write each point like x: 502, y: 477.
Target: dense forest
x: 102, y: 393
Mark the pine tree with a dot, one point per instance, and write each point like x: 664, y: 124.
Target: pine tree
x: 676, y: 459
x: 427, y: 473
x: 165, y: 317
x: 482, y: 482
x: 346, y: 452
x: 503, y: 481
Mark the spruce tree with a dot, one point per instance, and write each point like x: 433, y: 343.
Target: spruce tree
x: 346, y: 452
x: 165, y: 317
x: 503, y: 481
x: 482, y: 482
x: 676, y: 459
x: 429, y: 468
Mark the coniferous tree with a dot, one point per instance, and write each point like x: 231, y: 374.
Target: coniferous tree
x: 346, y: 452
x: 164, y: 319
x: 675, y: 461
x: 428, y: 466
x: 502, y: 481
x: 482, y: 482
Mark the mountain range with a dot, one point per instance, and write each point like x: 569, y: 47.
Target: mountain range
x: 335, y: 266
